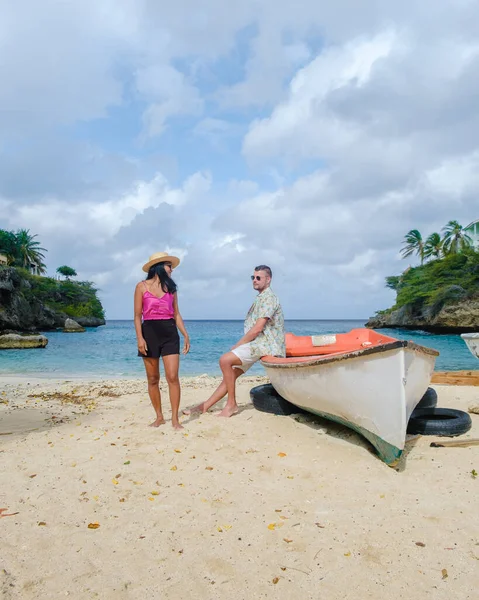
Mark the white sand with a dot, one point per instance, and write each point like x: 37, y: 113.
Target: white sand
x: 216, y: 512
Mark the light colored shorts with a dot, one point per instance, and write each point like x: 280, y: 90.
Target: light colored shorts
x: 243, y: 352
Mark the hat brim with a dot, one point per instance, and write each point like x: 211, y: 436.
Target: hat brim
x: 174, y: 260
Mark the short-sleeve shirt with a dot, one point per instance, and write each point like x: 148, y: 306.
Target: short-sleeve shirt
x: 271, y: 340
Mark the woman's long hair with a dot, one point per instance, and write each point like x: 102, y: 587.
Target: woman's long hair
x: 167, y: 284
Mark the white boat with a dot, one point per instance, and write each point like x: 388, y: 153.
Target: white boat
x: 365, y: 380
x: 472, y: 341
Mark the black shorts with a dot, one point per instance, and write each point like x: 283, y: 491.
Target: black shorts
x: 161, y: 337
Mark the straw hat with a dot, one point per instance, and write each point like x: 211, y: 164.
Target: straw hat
x: 158, y: 257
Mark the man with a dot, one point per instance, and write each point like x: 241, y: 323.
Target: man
x: 264, y: 335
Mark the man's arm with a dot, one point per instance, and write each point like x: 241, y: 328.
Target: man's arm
x: 253, y: 333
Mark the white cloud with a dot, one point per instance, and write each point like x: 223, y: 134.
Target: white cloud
x: 270, y: 63
x: 171, y: 95
x: 57, y: 64
x: 456, y: 178
x: 303, y: 125
x: 361, y: 124
x: 216, y: 132
x: 96, y: 223
x: 242, y: 187
x: 232, y: 240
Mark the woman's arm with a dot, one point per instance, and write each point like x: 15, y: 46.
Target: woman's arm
x: 138, y: 311
x: 181, y: 326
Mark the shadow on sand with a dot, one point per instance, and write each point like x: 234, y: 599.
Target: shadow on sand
x: 341, y: 432
x: 22, y: 421
x: 331, y: 428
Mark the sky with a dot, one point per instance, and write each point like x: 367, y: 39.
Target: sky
x: 308, y: 136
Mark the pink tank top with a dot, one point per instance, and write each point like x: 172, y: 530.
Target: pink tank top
x: 155, y: 308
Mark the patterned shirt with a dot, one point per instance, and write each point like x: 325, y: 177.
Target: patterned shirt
x: 271, y: 340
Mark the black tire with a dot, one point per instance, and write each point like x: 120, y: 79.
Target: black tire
x: 266, y: 399
x: 439, y: 421
x: 429, y: 400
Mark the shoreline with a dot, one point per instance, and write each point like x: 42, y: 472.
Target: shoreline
x: 21, y: 379
x: 459, y: 378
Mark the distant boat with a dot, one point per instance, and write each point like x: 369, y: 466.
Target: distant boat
x: 362, y: 379
x: 472, y: 341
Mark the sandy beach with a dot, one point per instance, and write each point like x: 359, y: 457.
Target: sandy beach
x: 256, y: 506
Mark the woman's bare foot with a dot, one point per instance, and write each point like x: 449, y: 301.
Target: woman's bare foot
x: 177, y: 425
x: 159, y: 421
x: 228, y: 411
x: 196, y: 410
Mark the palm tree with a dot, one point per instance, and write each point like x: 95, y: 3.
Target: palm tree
x: 8, y: 245
x: 455, y: 238
x: 30, y: 252
x: 413, y: 244
x: 433, y: 246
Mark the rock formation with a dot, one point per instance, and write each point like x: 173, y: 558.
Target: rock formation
x: 21, y: 311
x: 459, y: 317
x: 72, y: 326
x: 11, y: 341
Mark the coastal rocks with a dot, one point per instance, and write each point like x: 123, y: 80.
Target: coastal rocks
x: 16, y: 313
x: 22, y: 311
x: 11, y: 341
x: 89, y: 321
x: 72, y: 326
x: 461, y: 317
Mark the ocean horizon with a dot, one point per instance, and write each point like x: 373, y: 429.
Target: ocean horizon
x: 110, y: 352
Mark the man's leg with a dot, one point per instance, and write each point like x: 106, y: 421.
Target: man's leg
x: 219, y: 393
x: 227, y: 362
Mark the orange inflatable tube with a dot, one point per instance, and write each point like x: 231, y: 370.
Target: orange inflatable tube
x: 356, y: 339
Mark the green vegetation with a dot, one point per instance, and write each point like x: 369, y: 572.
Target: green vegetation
x: 413, y: 244
x: 454, y: 240
x: 74, y: 298
x: 22, y: 250
x: 66, y: 271
x: 449, y: 270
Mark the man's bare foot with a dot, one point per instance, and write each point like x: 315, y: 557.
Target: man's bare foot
x: 158, y: 421
x: 228, y: 411
x: 196, y: 410
x: 177, y: 425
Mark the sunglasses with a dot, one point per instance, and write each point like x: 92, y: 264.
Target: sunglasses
x: 257, y: 277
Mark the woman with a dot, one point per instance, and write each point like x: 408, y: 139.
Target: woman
x: 156, y: 304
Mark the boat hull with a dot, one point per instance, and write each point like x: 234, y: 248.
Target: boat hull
x: 372, y: 391
x: 472, y: 341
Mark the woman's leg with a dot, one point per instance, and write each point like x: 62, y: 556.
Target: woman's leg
x: 171, y: 363
x: 152, y: 367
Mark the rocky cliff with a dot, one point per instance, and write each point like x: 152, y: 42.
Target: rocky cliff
x: 24, y: 304
x: 459, y: 317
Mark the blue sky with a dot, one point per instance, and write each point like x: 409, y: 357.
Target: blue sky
x: 310, y: 137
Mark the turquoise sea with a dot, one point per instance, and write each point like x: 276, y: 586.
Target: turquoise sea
x: 110, y: 351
